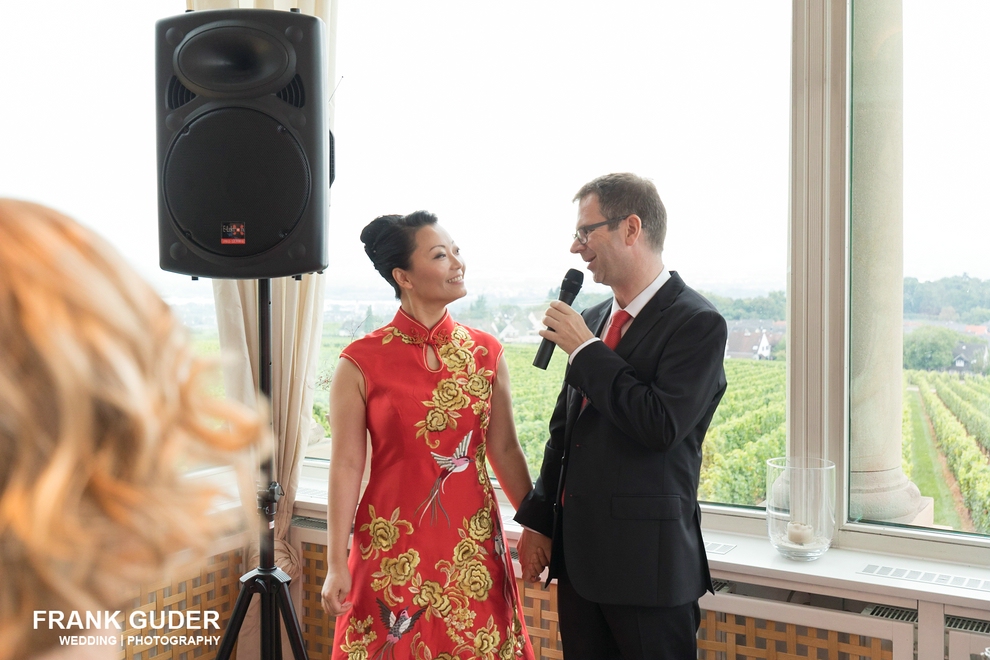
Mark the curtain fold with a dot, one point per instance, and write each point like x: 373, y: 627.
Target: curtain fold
x: 297, y: 325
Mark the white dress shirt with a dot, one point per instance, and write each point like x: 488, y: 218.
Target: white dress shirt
x: 633, y: 308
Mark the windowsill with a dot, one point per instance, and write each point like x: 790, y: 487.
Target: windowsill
x: 839, y: 572
x: 738, y: 556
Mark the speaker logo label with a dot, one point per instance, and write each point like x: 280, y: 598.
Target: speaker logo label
x: 232, y: 233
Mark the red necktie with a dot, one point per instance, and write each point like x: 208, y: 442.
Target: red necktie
x: 619, y: 319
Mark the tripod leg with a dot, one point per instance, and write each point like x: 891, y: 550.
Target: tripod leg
x: 271, y: 634
x: 292, y: 627
x: 236, y: 619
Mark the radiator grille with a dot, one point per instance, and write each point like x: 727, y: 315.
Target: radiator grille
x: 309, y: 523
x: 967, y: 625
x: 723, y: 587
x: 892, y: 613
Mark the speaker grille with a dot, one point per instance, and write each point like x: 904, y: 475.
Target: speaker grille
x: 235, y: 182
x: 293, y: 93
x: 177, y: 94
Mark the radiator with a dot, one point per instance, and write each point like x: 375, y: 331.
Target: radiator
x: 735, y: 626
x: 969, y: 639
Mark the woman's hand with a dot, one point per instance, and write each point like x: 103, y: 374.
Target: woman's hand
x: 534, y: 554
x: 335, y: 590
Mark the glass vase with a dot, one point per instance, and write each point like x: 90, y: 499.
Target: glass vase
x: 800, y: 506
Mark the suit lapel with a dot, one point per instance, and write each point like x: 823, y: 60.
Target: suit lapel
x: 650, y: 315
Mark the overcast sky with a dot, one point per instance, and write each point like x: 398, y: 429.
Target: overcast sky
x: 492, y: 115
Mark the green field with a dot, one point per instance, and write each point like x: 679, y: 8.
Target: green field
x: 946, y: 431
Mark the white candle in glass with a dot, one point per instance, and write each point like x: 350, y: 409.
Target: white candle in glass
x: 800, y: 533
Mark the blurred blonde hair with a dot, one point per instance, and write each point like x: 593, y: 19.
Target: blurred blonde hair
x: 103, y: 409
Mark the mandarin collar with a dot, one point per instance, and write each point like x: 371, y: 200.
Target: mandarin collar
x: 438, y: 335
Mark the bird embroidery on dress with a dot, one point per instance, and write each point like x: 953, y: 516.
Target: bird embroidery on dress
x: 397, y: 624
x: 500, y: 553
x: 448, y: 465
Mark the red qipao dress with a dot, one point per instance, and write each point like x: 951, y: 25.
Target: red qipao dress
x: 432, y: 579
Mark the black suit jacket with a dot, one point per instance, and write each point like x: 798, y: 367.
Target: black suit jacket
x: 630, y: 528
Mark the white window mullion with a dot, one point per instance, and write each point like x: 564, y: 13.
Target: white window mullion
x: 817, y: 278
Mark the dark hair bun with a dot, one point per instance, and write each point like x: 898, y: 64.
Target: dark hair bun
x: 374, y: 231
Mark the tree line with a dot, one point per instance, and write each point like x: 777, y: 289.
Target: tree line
x: 960, y: 298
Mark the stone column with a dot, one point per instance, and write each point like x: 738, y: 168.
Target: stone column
x: 879, y: 490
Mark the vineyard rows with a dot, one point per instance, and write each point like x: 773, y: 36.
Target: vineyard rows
x: 958, y: 441
x: 749, y: 426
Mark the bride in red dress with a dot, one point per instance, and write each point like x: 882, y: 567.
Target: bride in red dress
x: 429, y: 576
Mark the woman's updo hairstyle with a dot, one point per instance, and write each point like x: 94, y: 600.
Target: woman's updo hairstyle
x: 390, y: 240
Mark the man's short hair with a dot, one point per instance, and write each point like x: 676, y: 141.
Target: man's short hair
x: 623, y: 194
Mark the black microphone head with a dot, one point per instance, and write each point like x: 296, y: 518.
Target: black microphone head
x: 572, y: 281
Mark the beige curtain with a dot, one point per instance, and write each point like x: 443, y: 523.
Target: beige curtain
x: 297, y: 324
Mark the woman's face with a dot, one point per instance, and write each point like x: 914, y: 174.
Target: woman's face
x: 436, y: 268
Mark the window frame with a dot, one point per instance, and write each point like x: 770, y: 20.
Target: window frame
x: 818, y: 332
x: 818, y: 292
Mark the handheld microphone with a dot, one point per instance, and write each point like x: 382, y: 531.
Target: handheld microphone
x: 569, y: 289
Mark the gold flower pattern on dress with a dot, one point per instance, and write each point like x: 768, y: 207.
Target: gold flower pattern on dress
x: 467, y: 386
x: 480, y: 525
x: 455, y: 357
x: 478, y: 386
x: 356, y: 648
x: 431, y: 597
x: 482, y: 466
x: 384, y: 533
x: 395, y: 572
x: 486, y: 640
x: 467, y: 579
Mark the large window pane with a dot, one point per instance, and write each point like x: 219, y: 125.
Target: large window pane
x: 494, y: 117
x: 920, y: 392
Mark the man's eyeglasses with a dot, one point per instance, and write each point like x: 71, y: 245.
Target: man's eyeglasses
x: 581, y: 235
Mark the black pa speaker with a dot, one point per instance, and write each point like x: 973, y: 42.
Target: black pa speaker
x: 245, y: 158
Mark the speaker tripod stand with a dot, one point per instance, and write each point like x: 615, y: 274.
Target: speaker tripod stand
x: 267, y: 580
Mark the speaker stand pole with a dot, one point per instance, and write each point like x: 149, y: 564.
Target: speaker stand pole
x: 268, y: 581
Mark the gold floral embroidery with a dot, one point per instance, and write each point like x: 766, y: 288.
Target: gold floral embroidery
x: 430, y: 596
x: 486, y: 640
x: 475, y: 580
x: 480, y: 525
x: 467, y: 570
x: 449, y: 396
x: 357, y: 649
x: 508, y: 650
x: 478, y: 386
x: 468, y: 385
x: 437, y: 420
x: 455, y: 357
x: 383, y: 533
x: 465, y: 551
x: 482, y: 466
x: 395, y: 572
x: 392, y: 332
x: 458, y: 621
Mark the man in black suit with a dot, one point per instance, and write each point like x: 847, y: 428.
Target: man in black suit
x: 615, y: 512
